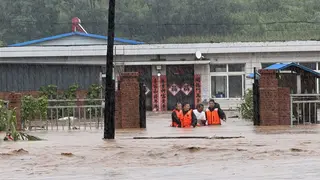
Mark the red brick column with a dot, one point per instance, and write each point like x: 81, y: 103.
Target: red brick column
x: 129, y: 100
x: 268, y: 98
x: 284, y: 105
x: 15, y: 102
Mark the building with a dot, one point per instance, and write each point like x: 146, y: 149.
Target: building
x: 30, y: 76
x: 171, y: 72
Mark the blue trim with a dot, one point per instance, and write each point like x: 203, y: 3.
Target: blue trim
x: 284, y: 66
x: 95, y: 36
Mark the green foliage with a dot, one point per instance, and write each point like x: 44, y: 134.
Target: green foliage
x: 70, y: 93
x: 168, y: 21
x: 94, y: 92
x: 33, y: 108
x: 50, y: 91
x: 246, y: 108
x: 3, y: 116
x: 8, y: 121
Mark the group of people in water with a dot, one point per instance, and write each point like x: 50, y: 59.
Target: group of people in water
x: 184, y: 117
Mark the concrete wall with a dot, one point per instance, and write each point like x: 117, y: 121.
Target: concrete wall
x: 204, y: 71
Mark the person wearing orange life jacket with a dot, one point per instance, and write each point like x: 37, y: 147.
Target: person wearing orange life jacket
x: 214, y: 113
x: 188, y: 118
x: 176, y: 115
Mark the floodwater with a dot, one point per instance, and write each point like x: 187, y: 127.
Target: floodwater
x: 264, y: 153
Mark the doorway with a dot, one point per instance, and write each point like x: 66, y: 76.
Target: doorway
x: 180, y: 82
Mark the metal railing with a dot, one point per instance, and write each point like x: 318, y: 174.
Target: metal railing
x: 304, y: 108
x: 71, y: 114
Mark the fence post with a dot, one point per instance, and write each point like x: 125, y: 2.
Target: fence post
x: 256, y: 99
x: 142, y: 105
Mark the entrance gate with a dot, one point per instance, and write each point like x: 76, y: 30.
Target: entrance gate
x: 180, y: 84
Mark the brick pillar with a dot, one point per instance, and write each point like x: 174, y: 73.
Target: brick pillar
x: 129, y: 100
x: 15, y: 102
x: 268, y: 98
x: 197, y: 89
x: 284, y: 105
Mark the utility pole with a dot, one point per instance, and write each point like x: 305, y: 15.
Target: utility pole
x: 109, y: 110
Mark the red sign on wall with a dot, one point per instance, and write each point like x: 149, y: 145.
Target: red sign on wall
x: 174, y: 89
x: 186, y: 89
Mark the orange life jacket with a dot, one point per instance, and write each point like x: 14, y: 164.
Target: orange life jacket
x: 179, y: 115
x: 213, y: 117
x: 186, y: 119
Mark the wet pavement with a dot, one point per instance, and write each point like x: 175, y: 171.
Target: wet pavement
x: 265, y: 153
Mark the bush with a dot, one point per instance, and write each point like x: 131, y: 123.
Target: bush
x: 3, y: 116
x: 246, y: 108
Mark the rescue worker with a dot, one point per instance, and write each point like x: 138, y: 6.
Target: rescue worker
x: 188, y: 118
x: 176, y: 115
x: 214, y: 113
x: 201, y: 115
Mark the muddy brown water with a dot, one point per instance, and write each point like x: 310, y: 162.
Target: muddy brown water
x: 264, y: 153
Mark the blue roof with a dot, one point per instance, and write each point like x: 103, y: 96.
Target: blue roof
x: 95, y: 36
x: 286, y: 66
x: 251, y: 75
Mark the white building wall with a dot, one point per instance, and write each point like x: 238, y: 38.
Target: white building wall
x: 204, y: 71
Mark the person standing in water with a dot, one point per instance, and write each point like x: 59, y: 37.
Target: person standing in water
x: 176, y: 115
x: 201, y: 115
x: 214, y: 113
x: 188, y: 118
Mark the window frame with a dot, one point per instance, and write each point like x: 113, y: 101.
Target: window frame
x: 227, y: 74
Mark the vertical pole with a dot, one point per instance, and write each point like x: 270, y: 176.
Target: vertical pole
x: 109, y: 110
x: 291, y: 111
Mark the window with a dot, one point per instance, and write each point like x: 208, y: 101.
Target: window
x: 235, y: 86
x: 312, y: 66
x: 218, y: 86
x: 218, y: 68
x: 236, y: 67
x: 227, y: 80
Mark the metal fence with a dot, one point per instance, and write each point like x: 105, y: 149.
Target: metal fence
x: 71, y: 114
x: 305, y: 108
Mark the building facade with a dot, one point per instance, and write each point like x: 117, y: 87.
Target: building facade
x: 171, y: 72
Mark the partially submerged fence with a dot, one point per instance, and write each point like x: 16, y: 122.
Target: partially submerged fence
x: 305, y: 108
x: 71, y: 114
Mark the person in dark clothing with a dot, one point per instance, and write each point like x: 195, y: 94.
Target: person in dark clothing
x: 188, y: 117
x: 176, y: 115
x: 212, y: 119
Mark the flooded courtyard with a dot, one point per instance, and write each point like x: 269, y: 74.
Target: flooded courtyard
x: 264, y: 153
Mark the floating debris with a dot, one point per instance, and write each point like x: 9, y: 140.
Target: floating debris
x: 67, y: 154
x: 296, y: 150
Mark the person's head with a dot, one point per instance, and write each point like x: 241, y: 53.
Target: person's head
x: 211, y: 103
x: 179, y: 106
x: 200, y: 107
x: 186, y: 106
